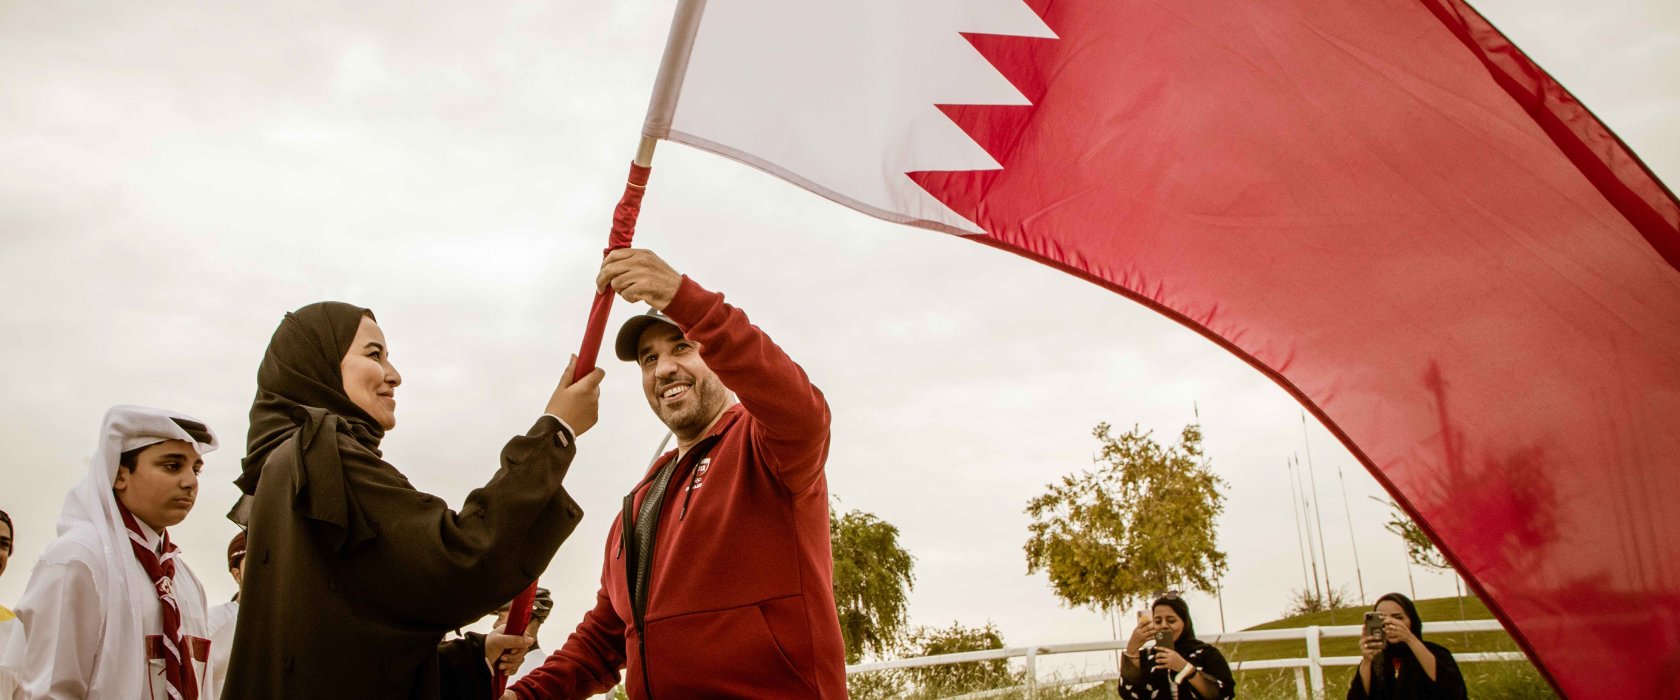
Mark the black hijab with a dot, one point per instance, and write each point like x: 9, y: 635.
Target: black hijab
x: 300, y: 392
x: 1212, y: 663
x: 1411, y: 614
x: 1409, y: 679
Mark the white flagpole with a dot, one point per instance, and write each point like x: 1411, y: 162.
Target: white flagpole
x: 1318, y: 515
x: 1295, y: 507
x: 1359, y: 573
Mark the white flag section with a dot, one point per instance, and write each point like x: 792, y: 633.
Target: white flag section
x: 839, y: 96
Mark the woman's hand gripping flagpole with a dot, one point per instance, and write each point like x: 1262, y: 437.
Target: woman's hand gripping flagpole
x: 623, y: 230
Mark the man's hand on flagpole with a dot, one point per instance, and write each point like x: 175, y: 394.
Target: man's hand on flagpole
x: 639, y: 275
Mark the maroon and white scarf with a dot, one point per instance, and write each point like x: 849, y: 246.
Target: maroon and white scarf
x: 182, y: 683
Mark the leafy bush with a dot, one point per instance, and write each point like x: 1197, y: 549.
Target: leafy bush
x: 955, y: 679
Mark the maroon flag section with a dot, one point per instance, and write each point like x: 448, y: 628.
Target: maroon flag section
x: 1392, y: 212
x: 1382, y: 205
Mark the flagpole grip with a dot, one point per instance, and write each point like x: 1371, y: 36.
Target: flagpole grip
x: 623, y: 230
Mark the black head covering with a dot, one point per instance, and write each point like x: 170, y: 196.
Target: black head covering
x: 7, y: 519
x: 1187, y: 640
x: 300, y: 369
x: 542, y: 605
x: 1411, y: 614
x: 1204, y: 655
x: 300, y: 392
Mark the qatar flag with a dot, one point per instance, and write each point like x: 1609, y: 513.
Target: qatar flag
x: 1382, y: 205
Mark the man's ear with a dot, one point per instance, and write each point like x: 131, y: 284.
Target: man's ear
x: 121, y: 484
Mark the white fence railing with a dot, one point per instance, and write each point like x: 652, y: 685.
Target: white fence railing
x: 1309, y: 671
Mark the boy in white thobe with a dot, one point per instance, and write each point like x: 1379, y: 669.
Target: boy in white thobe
x: 111, y: 610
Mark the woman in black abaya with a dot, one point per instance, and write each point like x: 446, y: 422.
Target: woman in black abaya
x: 1399, y: 664
x: 352, y: 576
x: 1195, y: 668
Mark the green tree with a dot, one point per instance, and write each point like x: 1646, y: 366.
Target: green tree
x: 1139, y: 522
x: 954, y: 679
x: 1418, y: 547
x: 872, y: 582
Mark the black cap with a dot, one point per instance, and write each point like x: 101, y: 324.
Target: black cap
x: 631, y: 332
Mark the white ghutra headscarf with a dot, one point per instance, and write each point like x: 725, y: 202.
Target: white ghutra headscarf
x: 91, y: 531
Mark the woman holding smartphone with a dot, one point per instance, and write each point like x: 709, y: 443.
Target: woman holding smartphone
x: 1177, y: 658
x: 1398, y: 664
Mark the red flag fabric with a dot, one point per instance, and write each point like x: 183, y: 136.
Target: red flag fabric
x: 1384, y: 206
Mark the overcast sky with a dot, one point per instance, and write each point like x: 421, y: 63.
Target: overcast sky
x: 173, y: 177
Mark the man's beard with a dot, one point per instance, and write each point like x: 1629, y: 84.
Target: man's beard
x: 709, y: 399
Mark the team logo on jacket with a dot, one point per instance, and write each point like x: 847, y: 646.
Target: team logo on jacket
x: 700, y: 473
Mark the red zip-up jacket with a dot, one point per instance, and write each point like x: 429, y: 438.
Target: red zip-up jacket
x: 741, y: 596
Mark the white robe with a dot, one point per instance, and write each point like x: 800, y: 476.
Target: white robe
x: 224, y: 619
x: 8, y: 679
x: 89, y: 604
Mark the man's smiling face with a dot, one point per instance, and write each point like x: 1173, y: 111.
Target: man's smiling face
x: 680, y: 388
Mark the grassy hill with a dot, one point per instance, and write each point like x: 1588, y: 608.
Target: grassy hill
x: 1503, y: 680
x: 1432, y: 610
x: 1489, y: 679
x: 1516, y: 681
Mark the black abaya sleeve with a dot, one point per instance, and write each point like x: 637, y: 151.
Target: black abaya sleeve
x: 462, y: 670
x: 433, y: 566
x: 1356, y: 688
x: 1213, y: 664
x: 1449, y: 681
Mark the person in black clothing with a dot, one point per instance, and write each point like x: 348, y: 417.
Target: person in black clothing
x: 1194, y: 668
x: 352, y: 575
x: 1399, y: 664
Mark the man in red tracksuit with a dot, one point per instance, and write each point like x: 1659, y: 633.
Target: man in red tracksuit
x: 718, y: 581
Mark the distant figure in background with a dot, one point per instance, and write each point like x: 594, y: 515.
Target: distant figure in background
x: 354, y: 576
x: 5, y: 555
x: 541, y: 606
x: 1184, y: 667
x: 223, y: 617
x: 512, y: 656
x: 1399, y: 665
x: 111, y: 610
x: 465, y: 663
x: 8, y: 621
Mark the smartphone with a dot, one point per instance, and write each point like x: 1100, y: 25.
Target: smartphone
x: 1374, y: 624
x: 1163, y: 638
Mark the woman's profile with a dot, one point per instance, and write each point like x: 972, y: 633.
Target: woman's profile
x: 351, y: 575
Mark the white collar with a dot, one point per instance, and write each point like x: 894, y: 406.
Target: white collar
x: 154, y: 539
